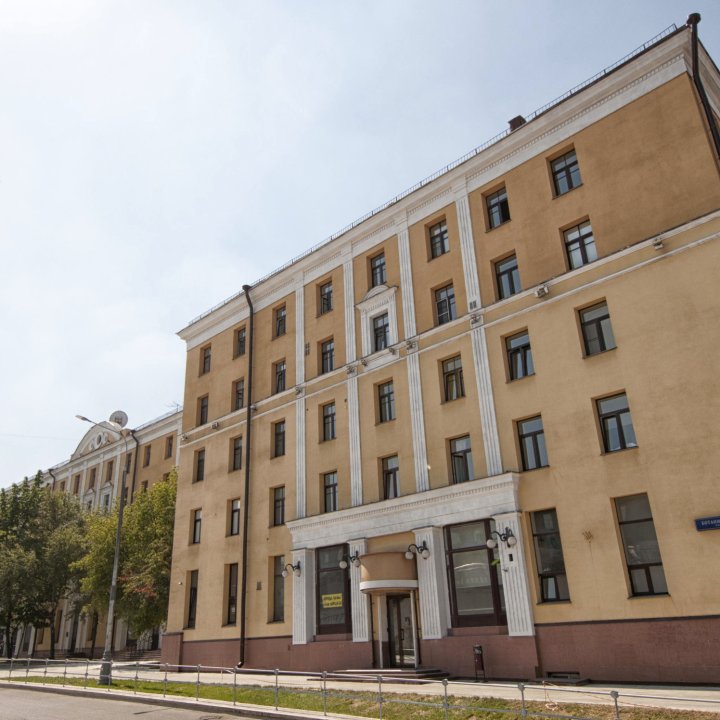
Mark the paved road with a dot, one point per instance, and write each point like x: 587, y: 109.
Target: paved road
x: 29, y: 705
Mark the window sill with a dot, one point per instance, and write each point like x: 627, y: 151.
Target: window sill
x: 567, y: 192
x: 385, y: 422
x: 605, y: 453
x: 648, y: 595
x: 602, y: 352
x: 514, y: 380
x: 554, y: 602
x: 540, y: 467
x: 495, y: 227
x: 454, y: 400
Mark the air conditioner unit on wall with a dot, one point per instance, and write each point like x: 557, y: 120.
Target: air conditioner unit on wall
x: 215, y: 425
x: 542, y: 291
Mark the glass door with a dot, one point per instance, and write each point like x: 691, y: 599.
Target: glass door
x: 400, y: 631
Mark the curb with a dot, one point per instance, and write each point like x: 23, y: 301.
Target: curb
x: 250, y: 711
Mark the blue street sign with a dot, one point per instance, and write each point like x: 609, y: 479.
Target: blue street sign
x: 708, y: 523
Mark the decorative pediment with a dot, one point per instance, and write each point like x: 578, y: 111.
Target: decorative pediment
x: 95, y: 438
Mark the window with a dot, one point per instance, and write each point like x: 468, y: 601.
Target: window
x: 279, y: 369
x: 232, y: 592
x: 76, y: 485
x: 453, y: 384
x: 62, y: 486
x: 439, y: 242
x: 205, y: 356
x: 386, y: 402
x: 597, y: 330
x: 279, y: 438
x: 327, y: 356
x: 498, y: 209
x: 566, y: 173
x: 236, y: 454
x: 128, y: 462
x: 615, y: 423
x: 109, y: 471
x: 333, y: 591
x: 106, y: 502
x: 642, y: 553
x: 507, y: 277
x: 328, y: 422
x: 476, y: 594
x: 461, y: 460
x: 445, y: 304
x: 519, y: 355
x: 280, y: 321
x: 202, y: 410
x: 381, y: 332
x: 549, y: 556
x: 238, y: 399
x: 278, y: 607
x: 93, y: 474
x: 390, y: 477
x: 192, y: 599
x: 580, y: 245
x: 199, y: 466
x: 240, y: 339
x: 168, y: 447
x: 146, y: 457
x: 330, y: 487
x: 378, y: 273
x: 196, y: 527
x: 326, y: 298
x: 278, y: 506
x: 234, y: 524
x: 532, y: 443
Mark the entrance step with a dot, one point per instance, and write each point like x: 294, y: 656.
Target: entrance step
x: 388, y: 674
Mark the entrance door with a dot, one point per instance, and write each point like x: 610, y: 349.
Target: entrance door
x: 400, y: 631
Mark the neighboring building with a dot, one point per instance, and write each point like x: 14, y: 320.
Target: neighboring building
x: 93, y: 474
x: 507, y: 373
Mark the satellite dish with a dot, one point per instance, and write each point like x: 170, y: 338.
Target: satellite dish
x: 119, y: 418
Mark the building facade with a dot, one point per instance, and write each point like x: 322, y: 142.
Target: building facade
x: 484, y: 415
x: 93, y: 474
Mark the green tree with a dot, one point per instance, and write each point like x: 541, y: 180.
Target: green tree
x: 147, y: 553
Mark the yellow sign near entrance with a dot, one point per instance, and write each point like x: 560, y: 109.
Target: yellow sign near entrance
x: 332, y: 601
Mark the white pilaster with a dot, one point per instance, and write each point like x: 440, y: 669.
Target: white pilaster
x: 467, y: 249
x: 353, y: 408
x: 417, y: 421
x: 406, y: 286
x: 300, y: 334
x: 350, y: 353
x: 359, y: 602
x: 303, y: 597
x: 514, y: 569
x: 432, y: 585
x: 488, y: 420
x: 300, y: 483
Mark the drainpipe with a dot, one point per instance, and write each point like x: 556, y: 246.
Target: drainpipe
x: 52, y: 475
x: 692, y: 23
x: 246, y: 496
x: 135, y: 462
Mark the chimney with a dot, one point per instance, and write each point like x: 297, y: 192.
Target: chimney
x: 517, y: 122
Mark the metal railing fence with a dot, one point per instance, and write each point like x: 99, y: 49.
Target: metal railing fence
x: 326, y: 692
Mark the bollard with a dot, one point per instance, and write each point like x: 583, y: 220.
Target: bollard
x: 276, y: 689
x: 197, y: 684
x: 47, y: 660
x: 445, y: 698
x: 27, y: 670
x: 64, y: 673
x: 324, y: 679
x: 87, y: 671
x: 380, y: 697
x: 12, y: 660
x: 521, y: 688
x: 614, y: 694
x: 137, y: 668
x: 234, y: 686
x: 165, y: 681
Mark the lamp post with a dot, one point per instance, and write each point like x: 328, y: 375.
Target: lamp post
x: 117, y: 423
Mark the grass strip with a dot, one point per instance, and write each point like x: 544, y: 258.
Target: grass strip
x: 395, y: 706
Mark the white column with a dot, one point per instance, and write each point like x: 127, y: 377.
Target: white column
x: 467, y: 249
x: 488, y: 420
x: 300, y: 482
x: 514, y: 569
x: 350, y: 353
x: 432, y: 585
x: 406, y: 285
x: 359, y: 602
x: 353, y: 407
x: 303, y: 597
x: 300, y: 333
x: 417, y: 421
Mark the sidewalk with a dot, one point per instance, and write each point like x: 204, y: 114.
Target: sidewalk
x: 705, y: 699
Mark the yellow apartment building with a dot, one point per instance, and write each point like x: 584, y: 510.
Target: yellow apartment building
x: 484, y: 415
x: 93, y: 474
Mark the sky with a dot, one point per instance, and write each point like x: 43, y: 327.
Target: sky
x: 156, y: 155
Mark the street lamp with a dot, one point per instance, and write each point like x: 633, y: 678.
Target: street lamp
x: 117, y: 423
